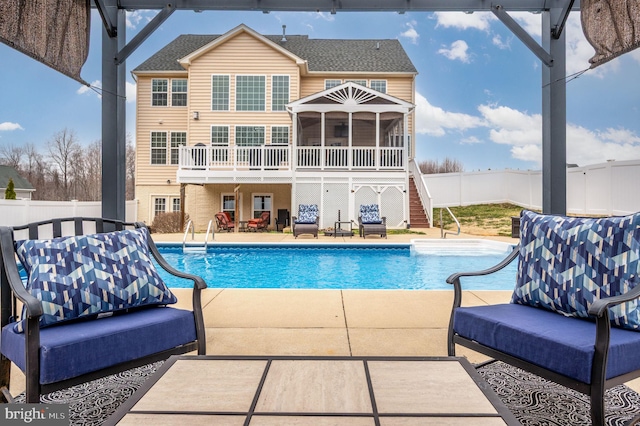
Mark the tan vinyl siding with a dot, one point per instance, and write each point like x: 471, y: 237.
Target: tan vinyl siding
x: 242, y: 55
x: 155, y: 119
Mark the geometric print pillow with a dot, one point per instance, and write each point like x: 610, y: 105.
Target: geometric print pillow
x: 370, y: 214
x: 86, y: 275
x: 307, y: 213
x: 566, y: 263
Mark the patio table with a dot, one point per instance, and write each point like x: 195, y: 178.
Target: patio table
x: 308, y: 390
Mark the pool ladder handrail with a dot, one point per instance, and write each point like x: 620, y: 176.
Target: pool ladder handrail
x: 191, y: 226
x: 443, y: 233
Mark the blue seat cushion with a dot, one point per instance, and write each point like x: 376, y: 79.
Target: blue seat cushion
x: 75, y: 348
x: 307, y: 214
x: 561, y: 344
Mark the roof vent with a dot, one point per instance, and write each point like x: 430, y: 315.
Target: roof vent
x: 378, y: 45
x: 284, y: 28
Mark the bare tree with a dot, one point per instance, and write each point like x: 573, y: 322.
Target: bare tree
x: 131, y: 170
x: 448, y: 165
x: 11, y: 156
x: 63, y: 148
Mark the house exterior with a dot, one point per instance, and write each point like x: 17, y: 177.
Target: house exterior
x: 246, y: 123
x: 21, y: 186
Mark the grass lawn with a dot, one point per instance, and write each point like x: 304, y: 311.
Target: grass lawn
x: 480, y: 219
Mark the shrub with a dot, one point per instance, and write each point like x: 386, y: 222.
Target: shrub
x: 166, y: 223
x: 10, y: 192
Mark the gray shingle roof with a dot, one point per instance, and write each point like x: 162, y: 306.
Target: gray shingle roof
x: 329, y: 55
x: 8, y: 172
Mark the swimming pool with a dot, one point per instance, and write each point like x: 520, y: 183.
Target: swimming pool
x: 319, y: 266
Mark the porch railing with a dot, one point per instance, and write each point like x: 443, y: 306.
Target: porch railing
x: 274, y: 157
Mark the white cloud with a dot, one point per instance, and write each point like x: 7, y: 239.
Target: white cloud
x: 523, y: 132
x: 135, y: 17
x: 8, y: 126
x: 479, y: 20
x: 130, y: 92
x: 471, y: 140
x: 326, y: 16
x: 96, y: 88
x: 435, y: 121
x: 499, y: 43
x: 411, y: 32
x: 457, y: 51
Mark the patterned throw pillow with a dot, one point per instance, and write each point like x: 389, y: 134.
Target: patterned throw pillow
x: 370, y: 214
x: 86, y: 275
x: 307, y: 213
x: 566, y: 263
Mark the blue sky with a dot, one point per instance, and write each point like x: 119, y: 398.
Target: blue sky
x: 478, y: 91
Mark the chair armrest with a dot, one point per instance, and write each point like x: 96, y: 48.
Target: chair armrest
x: 32, y: 304
x: 198, y: 282
x: 513, y: 255
x: 599, y: 307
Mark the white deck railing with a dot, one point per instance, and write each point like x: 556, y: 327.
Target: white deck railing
x: 273, y: 157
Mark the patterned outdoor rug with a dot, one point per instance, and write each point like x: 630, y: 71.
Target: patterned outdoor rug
x: 534, y: 401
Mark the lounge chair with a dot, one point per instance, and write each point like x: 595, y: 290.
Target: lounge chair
x: 223, y: 222
x: 103, y: 310
x: 307, y: 220
x: 370, y: 222
x: 260, y: 223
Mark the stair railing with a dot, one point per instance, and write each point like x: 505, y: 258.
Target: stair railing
x: 191, y: 226
x: 443, y: 233
x: 423, y: 191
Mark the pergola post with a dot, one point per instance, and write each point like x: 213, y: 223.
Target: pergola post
x: 113, y: 117
x: 554, y: 118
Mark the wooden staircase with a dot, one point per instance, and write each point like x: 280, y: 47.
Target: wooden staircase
x: 417, y: 216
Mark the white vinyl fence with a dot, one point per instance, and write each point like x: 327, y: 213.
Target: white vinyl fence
x: 610, y: 188
x: 21, y: 212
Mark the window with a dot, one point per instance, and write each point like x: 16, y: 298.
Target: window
x: 175, y: 204
x: 249, y: 135
x: 179, y: 92
x: 261, y: 203
x: 158, y: 147
x: 279, y: 135
x: 220, y: 93
x: 360, y: 82
x: 178, y: 139
x: 328, y: 84
x: 250, y: 93
x: 379, y: 85
x: 159, y: 206
x: 229, y: 205
x: 219, y: 138
x: 279, y: 92
x: 159, y: 89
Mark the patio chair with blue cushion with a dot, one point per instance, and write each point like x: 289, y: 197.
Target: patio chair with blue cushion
x: 93, y: 303
x: 307, y: 220
x: 370, y: 222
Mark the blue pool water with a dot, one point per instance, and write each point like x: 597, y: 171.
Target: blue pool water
x: 337, y: 267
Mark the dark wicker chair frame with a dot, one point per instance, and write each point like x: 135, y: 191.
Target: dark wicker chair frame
x: 599, y: 312
x: 12, y: 289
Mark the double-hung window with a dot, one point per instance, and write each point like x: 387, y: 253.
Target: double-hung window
x: 220, y: 93
x: 279, y: 92
x: 250, y: 93
x: 159, y: 206
x: 158, y: 147
x: 279, y: 135
x: 261, y: 203
x: 249, y: 139
x: 178, y: 139
x: 175, y: 204
x: 379, y: 85
x: 328, y: 84
x: 159, y: 92
x: 179, y: 92
x: 229, y: 205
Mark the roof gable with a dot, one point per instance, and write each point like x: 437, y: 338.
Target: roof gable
x: 351, y: 94
x: 20, y: 183
x: 319, y: 55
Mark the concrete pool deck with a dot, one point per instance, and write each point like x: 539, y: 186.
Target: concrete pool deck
x: 327, y: 322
